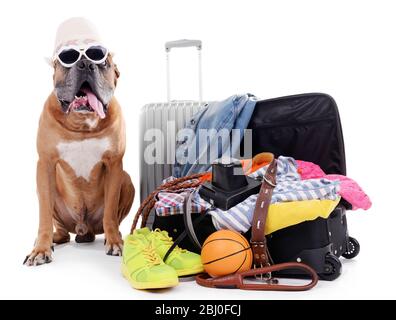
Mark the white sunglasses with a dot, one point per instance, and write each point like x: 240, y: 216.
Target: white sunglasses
x: 68, y: 56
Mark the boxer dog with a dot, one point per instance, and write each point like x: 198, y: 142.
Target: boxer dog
x: 81, y: 185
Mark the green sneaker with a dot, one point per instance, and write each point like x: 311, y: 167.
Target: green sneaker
x: 143, y: 267
x: 184, y: 262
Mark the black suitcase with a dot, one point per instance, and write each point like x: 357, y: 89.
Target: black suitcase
x: 305, y: 127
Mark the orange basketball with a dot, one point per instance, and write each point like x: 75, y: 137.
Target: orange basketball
x: 225, y: 252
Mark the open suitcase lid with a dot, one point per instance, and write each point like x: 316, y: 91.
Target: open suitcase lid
x: 305, y: 127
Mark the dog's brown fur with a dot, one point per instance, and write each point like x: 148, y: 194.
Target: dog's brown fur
x: 71, y: 203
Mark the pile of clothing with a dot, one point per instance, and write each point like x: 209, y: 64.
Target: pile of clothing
x: 303, y: 192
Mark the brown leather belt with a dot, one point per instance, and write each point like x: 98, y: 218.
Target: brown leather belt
x: 238, y: 280
x: 261, y: 258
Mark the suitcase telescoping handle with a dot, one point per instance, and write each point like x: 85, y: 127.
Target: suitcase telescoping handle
x: 184, y: 43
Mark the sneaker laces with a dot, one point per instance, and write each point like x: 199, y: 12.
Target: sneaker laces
x: 151, y: 255
x: 168, y: 240
x: 148, y: 251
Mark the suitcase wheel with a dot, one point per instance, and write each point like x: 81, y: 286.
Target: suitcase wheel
x: 353, y: 248
x: 332, y: 268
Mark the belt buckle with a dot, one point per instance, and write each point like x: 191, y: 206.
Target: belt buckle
x: 266, y: 277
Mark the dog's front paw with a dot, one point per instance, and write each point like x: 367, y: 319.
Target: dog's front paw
x: 113, y: 246
x: 40, y: 255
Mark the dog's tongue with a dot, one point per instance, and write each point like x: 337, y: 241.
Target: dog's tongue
x: 94, y: 103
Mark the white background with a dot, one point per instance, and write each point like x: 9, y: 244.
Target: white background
x: 269, y: 48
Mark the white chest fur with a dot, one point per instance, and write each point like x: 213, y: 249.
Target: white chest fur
x: 83, y: 155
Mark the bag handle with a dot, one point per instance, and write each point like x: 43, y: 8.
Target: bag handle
x: 188, y: 223
x: 183, y: 43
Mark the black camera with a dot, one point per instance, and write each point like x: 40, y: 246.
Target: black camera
x: 229, y: 185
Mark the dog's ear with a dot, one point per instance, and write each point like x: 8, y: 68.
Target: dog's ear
x: 115, y: 68
x: 116, y: 71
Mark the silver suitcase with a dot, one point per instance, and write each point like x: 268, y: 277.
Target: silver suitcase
x: 158, y: 116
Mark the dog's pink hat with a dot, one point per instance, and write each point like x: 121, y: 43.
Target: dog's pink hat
x: 77, y: 31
